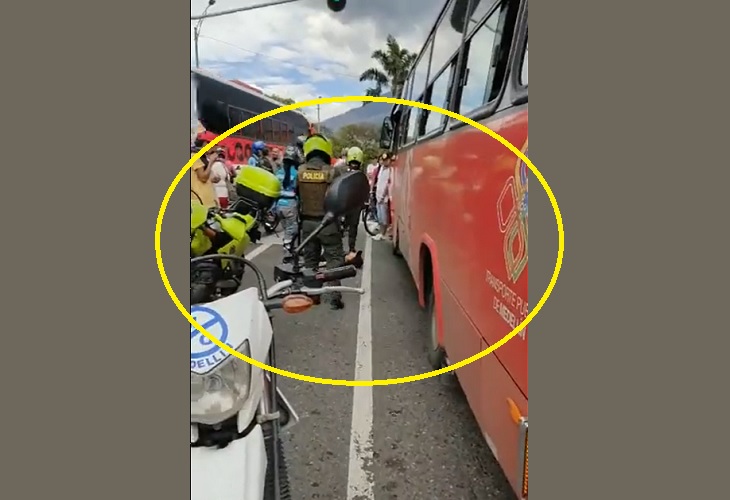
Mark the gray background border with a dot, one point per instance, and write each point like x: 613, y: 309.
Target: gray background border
x: 102, y: 414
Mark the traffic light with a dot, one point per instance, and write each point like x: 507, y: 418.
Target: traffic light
x: 336, y: 5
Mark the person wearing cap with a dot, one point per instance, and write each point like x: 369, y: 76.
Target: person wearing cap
x: 203, y: 179
x: 313, y: 179
x: 355, y: 158
x: 287, y: 204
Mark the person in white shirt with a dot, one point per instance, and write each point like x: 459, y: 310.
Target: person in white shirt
x: 220, y: 171
x: 382, y: 195
x: 370, y: 171
x: 342, y: 160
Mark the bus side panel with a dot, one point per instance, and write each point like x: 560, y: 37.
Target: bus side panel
x: 489, y: 273
x: 456, y: 186
x: 493, y: 414
x: 410, y: 241
x: 462, y: 341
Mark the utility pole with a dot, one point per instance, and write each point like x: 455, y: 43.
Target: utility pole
x: 196, y: 32
x: 319, y: 121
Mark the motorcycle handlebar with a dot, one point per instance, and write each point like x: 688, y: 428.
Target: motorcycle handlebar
x: 338, y: 273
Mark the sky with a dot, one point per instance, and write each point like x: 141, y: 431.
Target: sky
x: 302, y: 50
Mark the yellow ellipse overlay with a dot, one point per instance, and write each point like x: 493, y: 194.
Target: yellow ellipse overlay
x: 362, y: 383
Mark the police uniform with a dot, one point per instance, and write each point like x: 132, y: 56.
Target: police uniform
x: 313, y: 179
x: 352, y: 222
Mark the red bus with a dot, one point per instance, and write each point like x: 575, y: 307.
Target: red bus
x: 219, y: 105
x: 459, y: 203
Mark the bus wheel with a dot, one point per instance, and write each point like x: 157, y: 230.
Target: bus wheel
x: 436, y: 354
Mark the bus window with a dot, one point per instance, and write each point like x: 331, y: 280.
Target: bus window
x: 523, y: 76
x: 407, y: 88
x: 235, y: 116
x: 478, y: 8
x: 446, y: 42
x: 275, y: 131
x: 421, y: 73
x: 414, y: 117
x: 439, y: 93
x: 267, y: 129
x: 250, y: 131
x: 480, y: 58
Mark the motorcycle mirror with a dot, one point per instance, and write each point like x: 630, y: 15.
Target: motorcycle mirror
x: 296, y: 303
x: 347, y: 192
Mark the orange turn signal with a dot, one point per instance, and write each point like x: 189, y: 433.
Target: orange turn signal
x: 296, y: 303
x: 514, y: 411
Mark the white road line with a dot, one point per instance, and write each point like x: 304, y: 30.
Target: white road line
x: 258, y: 251
x: 359, y: 478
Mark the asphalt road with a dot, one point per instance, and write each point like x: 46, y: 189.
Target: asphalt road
x: 417, y: 440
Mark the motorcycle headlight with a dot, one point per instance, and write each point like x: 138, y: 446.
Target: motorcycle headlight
x: 221, y: 393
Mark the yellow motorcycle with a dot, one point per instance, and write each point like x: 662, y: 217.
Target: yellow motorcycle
x: 228, y: 231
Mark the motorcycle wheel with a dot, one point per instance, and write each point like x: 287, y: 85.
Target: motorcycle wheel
x: 271, y: 446
x: 271, y: 223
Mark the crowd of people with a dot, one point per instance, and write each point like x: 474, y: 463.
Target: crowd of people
x: 300, y: 203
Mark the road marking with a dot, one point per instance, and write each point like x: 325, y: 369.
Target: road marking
x: 257, y: 251
x: 360, y: 477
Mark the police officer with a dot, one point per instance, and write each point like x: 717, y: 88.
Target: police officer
x: 313, y: 179
x: 352, y: 220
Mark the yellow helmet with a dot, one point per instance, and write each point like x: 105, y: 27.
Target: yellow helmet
x: 354, y: 154
x: 317, y: 142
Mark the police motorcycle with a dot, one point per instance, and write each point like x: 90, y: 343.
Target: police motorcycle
x: 228, y: 231
x: 237, y: 411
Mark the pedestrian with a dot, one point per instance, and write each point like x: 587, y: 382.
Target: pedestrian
x: 266, y: 162
x: 370, y: 171
x: 300, y: 147
x: 276, y: 159
x: 257, y: 149
x: 341, y: 162
x: 382, y: 194
x: 221, y: 173
x: 202, y: 180
x: 287, y: 205
x: 313, y: 180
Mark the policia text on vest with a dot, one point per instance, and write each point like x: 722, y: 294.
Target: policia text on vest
x: 314, y: 178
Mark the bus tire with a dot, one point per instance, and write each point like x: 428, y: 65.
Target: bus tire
x: 436, y: 354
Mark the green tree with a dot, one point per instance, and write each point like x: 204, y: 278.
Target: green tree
x: 362, y: 135
x: 395, y: 62
x: 283, y: 100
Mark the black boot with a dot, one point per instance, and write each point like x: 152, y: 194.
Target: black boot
x: 337, y: 304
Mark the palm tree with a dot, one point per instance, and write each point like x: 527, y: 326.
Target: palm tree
x: 395, y: 62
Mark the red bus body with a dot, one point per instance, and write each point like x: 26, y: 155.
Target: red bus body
x: 459, y: 206
x: 222, y: 104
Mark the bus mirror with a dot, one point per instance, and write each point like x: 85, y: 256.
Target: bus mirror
x: 386, y: 133
x: 336, y: 5
x: 462, y: 11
